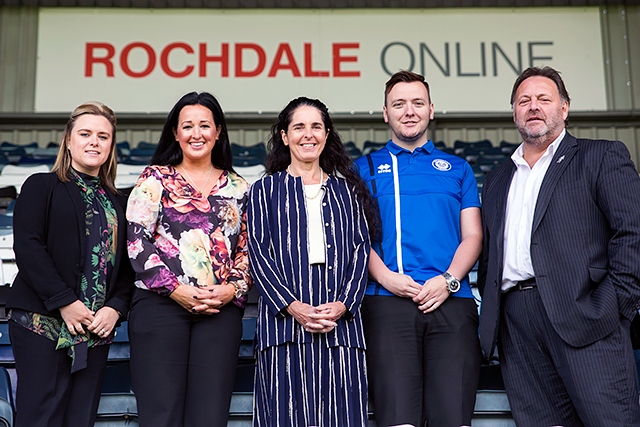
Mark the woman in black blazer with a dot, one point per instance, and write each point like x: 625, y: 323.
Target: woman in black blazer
x: 74, y: 276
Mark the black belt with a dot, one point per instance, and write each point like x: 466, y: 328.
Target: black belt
x: 524, y: 285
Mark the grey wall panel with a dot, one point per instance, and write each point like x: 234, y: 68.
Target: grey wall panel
x: 18, y: 40
x: 633, y: 25
x: 620, y: 51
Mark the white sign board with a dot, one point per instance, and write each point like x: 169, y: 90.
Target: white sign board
x: 137, y: 60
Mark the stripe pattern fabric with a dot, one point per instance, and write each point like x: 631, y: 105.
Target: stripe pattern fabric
x: 303, y: 378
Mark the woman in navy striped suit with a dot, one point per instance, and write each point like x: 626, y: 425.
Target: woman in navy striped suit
x: 308, y: 250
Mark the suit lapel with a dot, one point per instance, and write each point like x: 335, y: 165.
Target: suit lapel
x: 502, y: 179
x: 559, y: 162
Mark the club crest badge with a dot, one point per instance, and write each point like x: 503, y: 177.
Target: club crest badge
x: 441, y: 165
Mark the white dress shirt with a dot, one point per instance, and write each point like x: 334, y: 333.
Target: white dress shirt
x: 521, y: 204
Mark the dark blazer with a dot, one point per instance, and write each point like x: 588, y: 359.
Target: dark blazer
x: 585, y: 241
x: 49, y: 245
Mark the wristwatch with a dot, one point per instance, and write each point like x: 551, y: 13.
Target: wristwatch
x: 240, y: 286
x: 453, y: 284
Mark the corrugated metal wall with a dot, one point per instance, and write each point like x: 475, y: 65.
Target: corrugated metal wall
x: 18, y: 45
x: 621, y: 44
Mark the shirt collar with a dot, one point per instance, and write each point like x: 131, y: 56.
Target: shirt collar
x: 517, y: 155
x: 395, y: 149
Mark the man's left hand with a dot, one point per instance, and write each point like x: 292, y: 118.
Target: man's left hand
x: 433, y: 294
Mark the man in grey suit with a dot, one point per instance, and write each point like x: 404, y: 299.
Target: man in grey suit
x: 560, y: 269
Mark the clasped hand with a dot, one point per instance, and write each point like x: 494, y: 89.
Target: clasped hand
x: 77, y: 316
x: 433, y: 293
x: 318, y: 319
x: 203, y: 300
x: 429, y: 296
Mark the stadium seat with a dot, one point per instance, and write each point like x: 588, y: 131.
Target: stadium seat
x: 248, y: 155
x: 12, y: 154
x: 143, y: 145
x: 127, y: 175
x: 6, y: 399
x: 119, y: 350
x: 508, y: 147
x: 139, y: 156
x: 471, y: 154
x: 352, y: 150
x: 460, y: 146
x: 371, y: 146
x: 486, y: 162
x: 248, y: 161
x: 123, y: 150
x: 15, y: 175
x: 250, y: 173
x: 256, y: 150
x: 118, y: 406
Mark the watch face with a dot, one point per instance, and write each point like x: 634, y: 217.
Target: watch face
x: 454, y: 286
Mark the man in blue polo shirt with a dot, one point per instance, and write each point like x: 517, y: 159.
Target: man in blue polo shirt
x: 420, y: 317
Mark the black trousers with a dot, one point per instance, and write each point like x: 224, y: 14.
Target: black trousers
x: 48, y: 395
x: 183, y: 365
x: 550, y: 383
x: 422, y: 368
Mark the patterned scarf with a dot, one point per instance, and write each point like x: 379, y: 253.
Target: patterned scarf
x: 101, y: 236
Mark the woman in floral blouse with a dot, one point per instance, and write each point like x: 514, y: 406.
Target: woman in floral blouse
x: 187, y: 241
x: 74, y: 278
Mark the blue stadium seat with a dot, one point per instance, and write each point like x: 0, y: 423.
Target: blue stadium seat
x: 118, y: 406
x: 352, y: 150
x: 486, y: 162
x: 508, y: 147
x: 119, y: 350
x: 139, y: 156
x: 459, y: 145
x: 471, y: 154
x: 371, y: 146
x: 255, y: 150
x: 7, y: 408
x: 248, y: 155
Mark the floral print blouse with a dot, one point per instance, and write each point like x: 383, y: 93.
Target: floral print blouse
x: 177, y: 236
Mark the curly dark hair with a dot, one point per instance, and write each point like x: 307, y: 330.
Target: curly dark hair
x: 333, y: 159
x: 169, y: 152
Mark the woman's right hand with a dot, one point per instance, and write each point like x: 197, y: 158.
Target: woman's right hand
x: 194, y: 300
x: 75, y: 315
x: 303, y: 313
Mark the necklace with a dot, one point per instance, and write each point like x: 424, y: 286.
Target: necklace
x: 320, y: 188
x: 193, y: 182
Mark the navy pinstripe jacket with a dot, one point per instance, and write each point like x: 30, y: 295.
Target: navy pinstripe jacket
x: 279, y: 262
x: 585, y: 241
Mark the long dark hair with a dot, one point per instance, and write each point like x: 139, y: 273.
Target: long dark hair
x: 169, y: 152
x: 333, y: 159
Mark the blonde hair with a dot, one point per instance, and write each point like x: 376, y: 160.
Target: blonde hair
x: 62, y: 166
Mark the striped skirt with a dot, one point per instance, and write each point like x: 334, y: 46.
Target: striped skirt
x: 310, y: 384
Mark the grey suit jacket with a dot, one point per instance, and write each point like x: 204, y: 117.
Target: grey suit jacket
x: 585, y: 241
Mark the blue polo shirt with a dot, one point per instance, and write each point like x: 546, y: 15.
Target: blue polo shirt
x: 420, y: 195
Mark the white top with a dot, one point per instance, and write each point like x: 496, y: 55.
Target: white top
x: 521, y: 204
x: 313, y: 195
